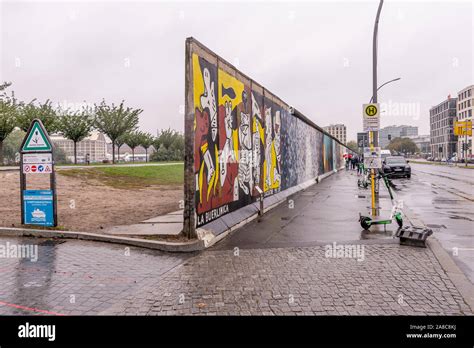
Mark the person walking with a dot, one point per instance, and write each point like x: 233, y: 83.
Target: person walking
x: 353, y: 162
x: 360, y: 167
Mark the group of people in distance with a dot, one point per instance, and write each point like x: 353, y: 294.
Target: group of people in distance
x: 354, y: 162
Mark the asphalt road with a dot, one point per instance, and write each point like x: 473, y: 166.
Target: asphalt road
x: 443, y: 197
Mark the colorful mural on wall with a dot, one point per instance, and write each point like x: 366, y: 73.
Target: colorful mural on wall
x: 244, y: 139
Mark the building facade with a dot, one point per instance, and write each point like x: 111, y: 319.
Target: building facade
x: 423, y: 143
x: 442, y: 138
x: 95, y: 146
x: 465, y: 106
x: 338, y: 131
x: 389, y: 133
x: 125, y: 153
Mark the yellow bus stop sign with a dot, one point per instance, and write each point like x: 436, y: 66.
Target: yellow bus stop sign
x: 463, y: 128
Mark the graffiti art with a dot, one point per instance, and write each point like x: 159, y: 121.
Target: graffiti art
x: 245, y: 140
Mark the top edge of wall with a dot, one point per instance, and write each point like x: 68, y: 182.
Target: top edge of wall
x: 197, y: 47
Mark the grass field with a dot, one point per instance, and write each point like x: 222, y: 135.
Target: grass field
x: 131, y: 177
x: 96, y: 164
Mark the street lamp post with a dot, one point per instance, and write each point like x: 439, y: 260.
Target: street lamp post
x: 373, y: 136
x: 374, y: 54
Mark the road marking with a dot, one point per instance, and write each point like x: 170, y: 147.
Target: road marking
x: 29, y: 308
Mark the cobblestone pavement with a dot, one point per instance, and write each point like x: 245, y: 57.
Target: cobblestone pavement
x: 390, y: 280
x: 275, y: 267
x: 76, y: 277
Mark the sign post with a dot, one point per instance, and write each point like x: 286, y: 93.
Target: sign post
x: 463, y: 128
x: 371, y: 123
x: 38, y: 207
x: 372, y: 158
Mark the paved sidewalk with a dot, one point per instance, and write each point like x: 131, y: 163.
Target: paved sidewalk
x: 287, y: 264
x: 391, y: 280
x: 170, y: 224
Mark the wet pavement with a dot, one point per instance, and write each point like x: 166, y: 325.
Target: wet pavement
x: 76, y: 277
x: 443, y: 197
x: 326, y: 212
x: 287, y: 264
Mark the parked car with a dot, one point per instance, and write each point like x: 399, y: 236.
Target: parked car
x: 385, y: 153
x: 396, y: 166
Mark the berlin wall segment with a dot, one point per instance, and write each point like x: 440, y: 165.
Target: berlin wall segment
x: 239, y: 136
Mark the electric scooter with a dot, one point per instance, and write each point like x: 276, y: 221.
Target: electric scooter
x: 364, y: 181
x: 396, y: 213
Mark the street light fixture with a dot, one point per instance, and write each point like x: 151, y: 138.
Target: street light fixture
x: 386, y: 83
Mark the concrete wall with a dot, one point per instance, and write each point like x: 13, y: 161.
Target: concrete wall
x: 238, y: 137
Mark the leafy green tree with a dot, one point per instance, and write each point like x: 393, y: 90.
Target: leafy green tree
x: 133, y: 140
x: 161, y: 155
x: 402, y: 145
x: 5, y: 85
x: 76, y: 125
x: 166, y: 138
x: 169, y: 146
x: 42, y: 111
x: 115, y: 121
x: 146, y: 140
x: 11, y: 146
x: 9, y: 107
x: 59, y: 156
x: 177, y: 147
x: 353, y: 146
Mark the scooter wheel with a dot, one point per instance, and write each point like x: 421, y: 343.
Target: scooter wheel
x: 365, y: 223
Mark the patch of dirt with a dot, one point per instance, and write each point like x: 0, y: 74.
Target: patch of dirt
x: 89, y: 205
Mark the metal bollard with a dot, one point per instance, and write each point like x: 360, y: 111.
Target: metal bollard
x: 260, y: 192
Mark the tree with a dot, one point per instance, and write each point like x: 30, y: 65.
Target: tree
x: 146, y: 140
x: 169, y: 146
x: 166, y: 138
x: 133, y: 139
x: 402, y: 145
x: 59, y: 156
x: 11, y: 146
x: 115, y: 121
x: 352, y: 145
x: 5, y: 85
x: 177, y: 147
x: 119, y: 143
x: 76, y: 126
x: 44, y: 112
x: 9, y: 107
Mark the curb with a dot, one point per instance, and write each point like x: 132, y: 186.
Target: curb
x: 191, y: 246
x: 458, y: 165
x: 455, y: 274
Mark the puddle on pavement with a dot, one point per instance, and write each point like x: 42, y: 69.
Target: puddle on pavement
x: 457, y: 217
x: 376, y: 234
x: 435, y: 226
x: 446, y: 201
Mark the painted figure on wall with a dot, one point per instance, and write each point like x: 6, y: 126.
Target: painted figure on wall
x: 223, y: 141
x: 206, y: 130
x: 244, y: 138
x: 245, y: 150
x: 257, y: 141
x: 272, y: 148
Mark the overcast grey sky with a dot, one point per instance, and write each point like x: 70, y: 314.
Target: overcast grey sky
x: 314, y: 55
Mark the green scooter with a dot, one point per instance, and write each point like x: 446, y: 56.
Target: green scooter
x: 396, y: 213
